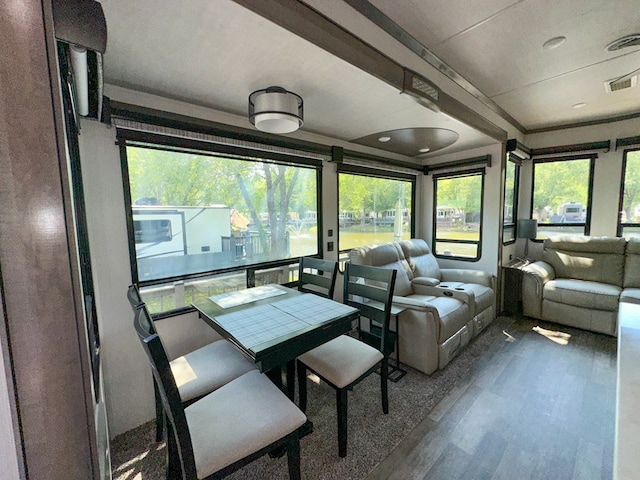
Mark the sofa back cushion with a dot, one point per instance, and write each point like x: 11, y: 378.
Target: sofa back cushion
x: 596, y: 259
x: 420, y: 259
x: 632, y: 264
x: 386, y: 255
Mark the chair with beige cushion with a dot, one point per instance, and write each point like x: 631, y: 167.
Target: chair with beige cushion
x: 345, y: 361
x: 198, y: 372
x: 226, y: 429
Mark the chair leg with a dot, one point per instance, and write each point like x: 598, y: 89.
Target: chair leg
x: 174, y: 467
x: 302, y: 386
x: 291, y: 379
x: 384, y: 374
x: 160, y: 419
x: 341, y: 401
x: 293, y: 459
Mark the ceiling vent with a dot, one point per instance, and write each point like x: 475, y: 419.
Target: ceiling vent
x: 621, y: 83
x: 632, y: 40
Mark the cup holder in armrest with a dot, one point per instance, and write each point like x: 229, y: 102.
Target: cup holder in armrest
x: 447, y: 293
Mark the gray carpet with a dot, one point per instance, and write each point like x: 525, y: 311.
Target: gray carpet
x: 371, y: 435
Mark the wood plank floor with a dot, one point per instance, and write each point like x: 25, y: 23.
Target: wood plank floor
x: 539, y: 405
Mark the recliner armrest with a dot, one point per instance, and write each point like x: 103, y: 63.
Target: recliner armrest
x: 442, y: 290
x: 541, y: 271
x: 465, y: 275
x: 427, y: 281
x: 413, y: 304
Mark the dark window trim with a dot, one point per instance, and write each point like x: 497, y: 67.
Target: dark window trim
x: 621, y: 225
x: 142, y: 139
x: 484, y: 160
x: 592, y: 166
x: 375, y: 172
x: 188, y: 145
x: 372, y: 172
x: 516, y: 189
x: 578, y: 147
x: 434, y: 239
x: 627, y: 142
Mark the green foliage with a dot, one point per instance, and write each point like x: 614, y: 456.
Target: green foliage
x: 631, y: 185
x: 252, y: 187
x: 559, y: 182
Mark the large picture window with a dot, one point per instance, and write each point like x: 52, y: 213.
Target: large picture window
x: 561, y: 198
x: 374, y: 209
x: 216, y: 221
x: 629, y: 216
x: 457, y: 226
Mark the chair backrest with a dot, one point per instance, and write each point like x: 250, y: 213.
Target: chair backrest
x: 370, y: 290
x: 133, y: 294
x: 167, y: 389
x: 318, y: 276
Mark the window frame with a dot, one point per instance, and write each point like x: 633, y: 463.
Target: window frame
x: 516, y: 189
x: 434, y: 238
x: 592, y: 164
x: 349, y: 169
x: 135, y: 138
x: 620, y: 225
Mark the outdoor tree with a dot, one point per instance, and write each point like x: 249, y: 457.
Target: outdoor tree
x: 559, y: 182
x: 631, y: 184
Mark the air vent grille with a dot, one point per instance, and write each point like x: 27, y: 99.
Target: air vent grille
x: 425, y: 88
x: 628, y: 41
x: 620, y: 84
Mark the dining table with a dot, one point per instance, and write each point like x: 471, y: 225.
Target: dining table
x: 273, y: 324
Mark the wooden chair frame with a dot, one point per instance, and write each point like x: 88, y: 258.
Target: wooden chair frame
x: 374, y: 301
x: 180, y: 458
x: 318, y: 279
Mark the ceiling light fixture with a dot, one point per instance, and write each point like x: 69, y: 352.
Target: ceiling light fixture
x: 554, y: 43
x: 579, y: 105
x: 275, y: 110
x: 424, y: 150
x: 384, y: 139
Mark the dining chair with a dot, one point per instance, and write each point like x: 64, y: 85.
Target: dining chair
x: 226, y: 429
x: 345, y: 361
x: 198, y: 372
x: 318, y: 276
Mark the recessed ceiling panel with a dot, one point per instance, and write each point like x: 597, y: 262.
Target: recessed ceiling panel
x: 411, y: 142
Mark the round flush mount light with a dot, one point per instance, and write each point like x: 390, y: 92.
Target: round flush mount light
x: 554, y: 42
x: 424, y: 150
x: 275, y: 110
x: 579, y: 105
x: 384, y: 139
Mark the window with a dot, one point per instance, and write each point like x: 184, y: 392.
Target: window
x: 457, y: 226
x: 206, y: 221
x: 510, y: 201
x: 561, y: 195
x: 629, y: 218
x: 373, y: 209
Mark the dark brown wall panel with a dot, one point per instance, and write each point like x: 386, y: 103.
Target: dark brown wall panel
x: 40, y: 324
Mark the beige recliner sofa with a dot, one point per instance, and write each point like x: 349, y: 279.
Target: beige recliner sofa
x: 443, y: 309
x: 580, y: 281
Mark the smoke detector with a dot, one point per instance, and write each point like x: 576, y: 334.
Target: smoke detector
x: 632, y: 40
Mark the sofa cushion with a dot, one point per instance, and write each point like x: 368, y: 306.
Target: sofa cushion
x: 632, y: 264
x: 597, y: 259
x: 581, y: 293
x: 386, y: 255
x: 420, y: 259
x: 453, y: 316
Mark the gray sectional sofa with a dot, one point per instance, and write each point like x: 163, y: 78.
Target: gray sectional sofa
x: 580, y: 281
x: 443, y: 309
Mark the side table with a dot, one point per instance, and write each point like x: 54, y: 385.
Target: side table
x: 512, y: 287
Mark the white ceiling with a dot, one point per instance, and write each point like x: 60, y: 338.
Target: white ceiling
x: 214, y: 53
